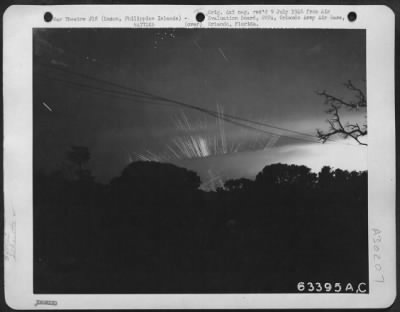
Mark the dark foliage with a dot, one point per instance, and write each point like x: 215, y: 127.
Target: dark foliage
x: 152, y: 230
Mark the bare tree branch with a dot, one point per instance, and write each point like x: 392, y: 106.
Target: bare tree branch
x: 362, y: 101
x: 336, y: 127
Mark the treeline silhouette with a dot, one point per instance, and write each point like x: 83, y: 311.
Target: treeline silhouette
x: 153, y: 230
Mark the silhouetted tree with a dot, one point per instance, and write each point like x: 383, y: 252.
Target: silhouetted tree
x: 239, y: 184
x: 79, y: 155
x: 156, y: 178
x: 325, y: 177
x: 336, y: 125
x: 152, y: 229
x: 281, y: 174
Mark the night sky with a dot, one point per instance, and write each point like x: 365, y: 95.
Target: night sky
x: 267, y: 76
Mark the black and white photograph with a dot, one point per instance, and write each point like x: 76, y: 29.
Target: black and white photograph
x: 199, y: 161
x: 232, y: 161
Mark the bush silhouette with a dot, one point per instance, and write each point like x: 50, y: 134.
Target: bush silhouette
x: 152, y: 229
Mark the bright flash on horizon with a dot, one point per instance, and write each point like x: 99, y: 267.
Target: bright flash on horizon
x: 201, y: 138
x: 213, y: 181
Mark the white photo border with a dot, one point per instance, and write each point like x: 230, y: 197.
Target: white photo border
x: 19, y: 20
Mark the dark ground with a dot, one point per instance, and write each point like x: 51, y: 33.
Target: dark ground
x: 151, y: 230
